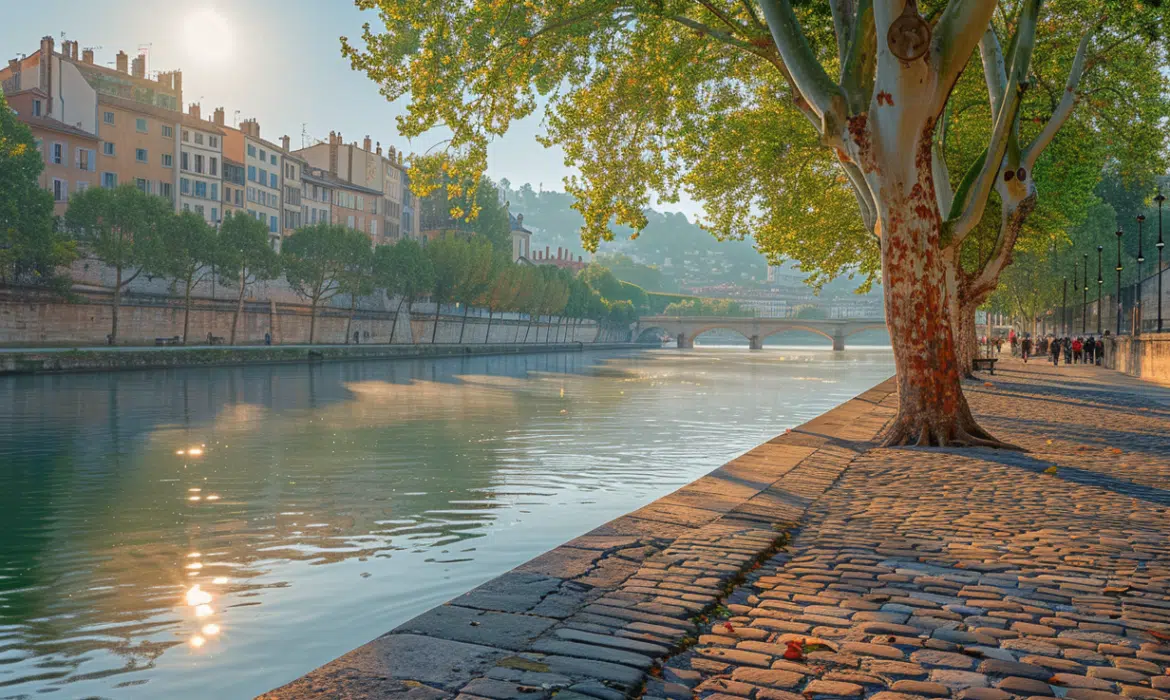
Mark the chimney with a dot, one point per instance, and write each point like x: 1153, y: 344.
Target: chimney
x: 75, y: 51
x: 138, y: 66
x: 547, y: 251
x: 177, y: 85
x: 66, y: 52
x: 284, y: 141
x: 367, y: 145
x: 122, y: 60
x: 218, y: 116
x: 334, y: 144
x: 378, y: 148
x: 46, y: 83
x: 195, y: 111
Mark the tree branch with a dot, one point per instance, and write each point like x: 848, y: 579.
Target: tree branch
x: 1063, y: 110
x: 955, y: 37
x: 859, y: 63
x: 973, y: 200
x: 994, y: 71
x: 844, y: 23
x: 862, y: 192
x: 808, y: 75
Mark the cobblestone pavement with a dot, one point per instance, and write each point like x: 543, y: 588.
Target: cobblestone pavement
x: 970, y: 574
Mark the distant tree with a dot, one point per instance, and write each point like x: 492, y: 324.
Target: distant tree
x: 808, y: 312
x: 315, y: 261
x: 501, y: 292
x: 357, y: 280
x: 245, y: 258
x: 536, y: 286
x: 190, y: 250
x: 123, y: 228
x: 31, y: 248
x: 405, y: 271
x: 449, y: 259
x: 477, y: 276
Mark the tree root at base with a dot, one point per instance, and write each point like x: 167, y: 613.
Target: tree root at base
x: 960, y: 433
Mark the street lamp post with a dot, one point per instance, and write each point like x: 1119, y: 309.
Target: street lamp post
x: 1140, y: 259
x: 1119, y: 307
x: 1085, y: 297
x: 1100, y: 287
x: 1159, y: 245
x: 1064, y: 309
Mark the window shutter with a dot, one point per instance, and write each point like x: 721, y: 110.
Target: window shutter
x: 77, y: 158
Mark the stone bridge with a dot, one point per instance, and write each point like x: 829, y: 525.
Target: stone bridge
x: 686, y: 328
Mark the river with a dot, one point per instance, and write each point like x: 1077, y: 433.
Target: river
x: 218, y: 532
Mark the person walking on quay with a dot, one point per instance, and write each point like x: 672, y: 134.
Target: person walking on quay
x: 1042, y: 345
x: 1090, y: 349
x: 1078, y: 349
x: 1066, y: 345
x: 1054, y: 349
x: 1026, y: 348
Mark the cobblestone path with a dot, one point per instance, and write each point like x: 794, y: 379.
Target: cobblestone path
x: 970, y: 574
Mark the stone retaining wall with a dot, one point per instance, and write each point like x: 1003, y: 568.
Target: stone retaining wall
x: 589, y: 619
x: 1146, y: 356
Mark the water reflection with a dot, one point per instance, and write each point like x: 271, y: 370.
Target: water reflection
x: 256, y: 522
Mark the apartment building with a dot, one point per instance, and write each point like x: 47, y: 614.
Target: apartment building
x: 69, y: 153
x: 262, y: 163
x: 233, y: 186
x: 291, y: 188
x: 389, y: 215
x: 317, y: 188
x: 199, y: 144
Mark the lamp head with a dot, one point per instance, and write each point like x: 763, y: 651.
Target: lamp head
x: 1160, y: 198
x: 1141, y: 218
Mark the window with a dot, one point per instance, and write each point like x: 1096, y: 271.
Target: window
x: 349, y: 221
x: 186, y: 206
x: 263, y: 176
x: 140, y: 155
x: 186, y: 136
x: 251, y: 173
x: 251, y: 150
x: 36, y: 108
x: 198, y: 138
x: 201, y: 189
x: 109, y: 179
x: 84, y: 159
x: 184, y: 161
x: 108, y: 117
x: 213, y: 141
x: 215, y: 191
x: 263, y: 155
x: 274, y: 159
x: 227, y: 194
x: 239, y: 202
x: 167, y: 190
x: 142, y: 184
x: 82, y: 185
x: 272, y: 224
x: 251, y: 194
x: 198, y: 163
x: 373, y: 227
x: 184, y: 186
x: 213, y: 166
x: 272, y: 181
x: 214, y: 215
x: 60, y: 190
x: 199, y: 209
x: 107, y: 148
x: 168, y: 132
x: 57, y: 154
x: 140, y: 125
x: 168, y: 160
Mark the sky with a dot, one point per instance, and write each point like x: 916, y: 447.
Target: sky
x: 278, y: 61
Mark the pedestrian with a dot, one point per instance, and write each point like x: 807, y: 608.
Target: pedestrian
x: 1078, y: 349
x: 1066, y: 346
x: 1054, y: 348
x: 1090, y: 349
x: 1043, y: 346
x: 1026, y: 348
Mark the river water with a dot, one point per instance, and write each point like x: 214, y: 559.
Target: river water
x: 218, y: 532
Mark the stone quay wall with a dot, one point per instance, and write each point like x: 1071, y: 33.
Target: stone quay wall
x: 32, y: 318
x: 1146, y: 356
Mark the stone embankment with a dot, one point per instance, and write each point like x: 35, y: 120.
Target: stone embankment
x: 33, y: 361
x: 817, y: 567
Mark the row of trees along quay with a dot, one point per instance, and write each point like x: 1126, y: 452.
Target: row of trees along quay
x: 139, y: 234
x: 915, y: 140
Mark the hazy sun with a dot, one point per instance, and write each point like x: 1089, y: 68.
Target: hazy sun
x: 207, y: 36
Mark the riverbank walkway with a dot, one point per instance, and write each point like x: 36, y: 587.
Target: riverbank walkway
x: 817, y: 567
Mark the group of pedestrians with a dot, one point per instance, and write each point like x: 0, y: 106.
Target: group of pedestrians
x: 1074, y: 350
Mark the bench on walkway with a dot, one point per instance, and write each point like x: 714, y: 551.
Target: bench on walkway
x: 214, y: 339
x: 173, y: 340
x: 987, y: 363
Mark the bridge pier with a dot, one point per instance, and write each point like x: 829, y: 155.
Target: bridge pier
x: 838, y: 341
x: 685, y: 342
x: 755, y: 343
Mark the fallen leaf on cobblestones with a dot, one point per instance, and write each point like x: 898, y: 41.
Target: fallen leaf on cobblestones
x: 1047, y: 442
x: 1050, y: 470
x: 795, y: 651
x: 1114, y: 450
x: 989, y: 385
x: 1160, y: 635
x: 729, y: 628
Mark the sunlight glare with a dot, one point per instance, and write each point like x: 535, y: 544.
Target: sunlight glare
x: 207, y: 36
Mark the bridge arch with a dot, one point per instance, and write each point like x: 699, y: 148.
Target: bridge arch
x: 777, y: 330
x: 650, y: 333
x: 870, y: 327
